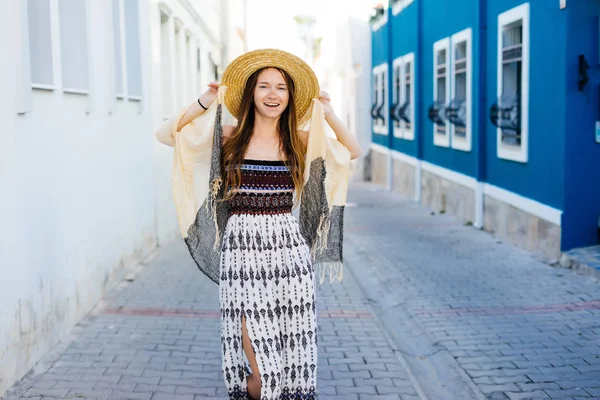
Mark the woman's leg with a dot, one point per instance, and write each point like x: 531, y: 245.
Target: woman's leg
x: 254, y: 384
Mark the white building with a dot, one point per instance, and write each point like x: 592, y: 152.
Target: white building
x: 343, y: 69
x: 85, y: 187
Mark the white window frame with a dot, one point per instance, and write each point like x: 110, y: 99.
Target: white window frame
x: 190, y: 76
x: 167, y: 33
x: 75, y: 90
x: 381, y: 71
x: 23, y: 79
x: 124, y: 94
x: 57, y: 70
x: 396, y: 64
x: 54, y: 48
x: 137, y: 98
x: 465, y: 36
x: 401, y: 131
x: 442, y: 44
x: 400, y: 5
x: 409, y: 134
x: 506, y: 151
x: 382, y: 21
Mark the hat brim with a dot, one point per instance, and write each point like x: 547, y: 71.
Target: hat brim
x: 239, y: 70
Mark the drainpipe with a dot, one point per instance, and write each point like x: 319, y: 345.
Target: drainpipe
x: 480, y: 112
x: 390, y: 98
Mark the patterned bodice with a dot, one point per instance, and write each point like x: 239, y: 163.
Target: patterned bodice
x: 267, y: 187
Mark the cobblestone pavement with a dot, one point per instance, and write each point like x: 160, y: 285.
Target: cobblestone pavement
x: 519, y: 328
x: 429, y: 308
x: 157, y: 337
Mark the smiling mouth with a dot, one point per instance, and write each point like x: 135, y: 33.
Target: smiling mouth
x: 271, y: 105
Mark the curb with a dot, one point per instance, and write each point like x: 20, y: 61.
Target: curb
x: 583, y: 261
x: 432, y: 370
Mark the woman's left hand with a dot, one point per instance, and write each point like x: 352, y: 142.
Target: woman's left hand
x: 325, y: 100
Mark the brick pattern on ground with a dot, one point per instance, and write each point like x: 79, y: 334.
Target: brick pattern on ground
x: 158, y: 338
x: 518, y: 327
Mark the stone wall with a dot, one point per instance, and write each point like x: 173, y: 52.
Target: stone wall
x: 403, y: 178
x: 378, y: 163
x: 521, y: 228
x: 446, y: 196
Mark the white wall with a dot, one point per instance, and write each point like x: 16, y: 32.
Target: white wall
x: 199, y: 19
x: 344, y: 72
x: 85, y: 188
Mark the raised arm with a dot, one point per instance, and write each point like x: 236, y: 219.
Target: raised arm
x: 163, y: 134
x: 343, y: 134
x: 195, y: 109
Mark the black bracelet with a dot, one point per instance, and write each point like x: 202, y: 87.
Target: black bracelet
x: 201, y: 105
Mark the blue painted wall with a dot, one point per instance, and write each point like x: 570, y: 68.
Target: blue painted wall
x: 441, y: 19
x: 380, y: 53
x: 563, y: 159
x: 582, y: 153
x: 404, y: 34
x: 542, y: 177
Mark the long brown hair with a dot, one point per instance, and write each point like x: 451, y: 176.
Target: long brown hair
x: 234, y: 149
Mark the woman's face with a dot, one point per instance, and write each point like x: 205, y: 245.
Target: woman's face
x: 271, y: 94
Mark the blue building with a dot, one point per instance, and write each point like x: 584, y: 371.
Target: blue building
x: 488, y: 109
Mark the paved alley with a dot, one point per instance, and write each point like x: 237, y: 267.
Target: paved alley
x: 157, y: 337
x: 470, y: 312
x: 428, y: 309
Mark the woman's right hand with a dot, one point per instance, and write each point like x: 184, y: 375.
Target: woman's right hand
x: 194, y: 110
x: 210, y: 95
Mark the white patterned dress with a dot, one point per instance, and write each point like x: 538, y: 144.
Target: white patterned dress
x: 266, y: 274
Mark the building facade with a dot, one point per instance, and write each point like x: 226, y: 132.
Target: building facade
x: 488, y: 110
x: 343, y: 69
x: 86, y: 190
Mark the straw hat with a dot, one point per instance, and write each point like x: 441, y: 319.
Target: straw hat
x: 239, y: 70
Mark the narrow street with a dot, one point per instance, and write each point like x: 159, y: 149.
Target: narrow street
x: 470, y: 313
x: 428, y: 309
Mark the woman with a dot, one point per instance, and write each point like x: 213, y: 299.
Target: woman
x: 266, y: 258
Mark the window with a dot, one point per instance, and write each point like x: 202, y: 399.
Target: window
x: 441, y: 93
x: 40, y: 44
x: 57, y: 47
x: 74, y: 46
x: 379, y: 109
x: 452, y: 93
x: 133, y: 49
x: 381, y: 20
x: 510, y: 113
x: 403, y: 95
x: 214, y: 68
x: 23, y: 98
x: 399, y: 5
x: 189, y: 67
x: 199, y: 68
x: 459, y: 110
x: 118, y: 61
x: 166, y: 65
x: 126, y: 49
x: 408, y: 111
x: 179, y: 67
x: 396, y: 96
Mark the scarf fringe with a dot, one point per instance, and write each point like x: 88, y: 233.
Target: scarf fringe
x: 215, y: 188
x: 322, y: 235
x: 215, y: 184
x: 335, y: 270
